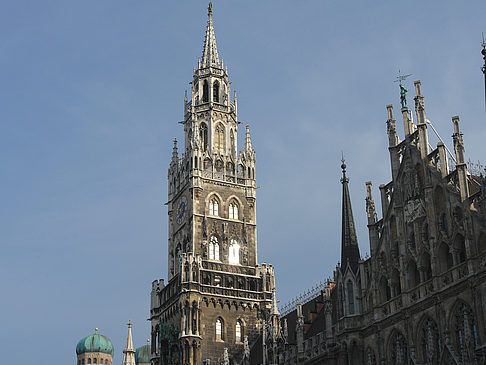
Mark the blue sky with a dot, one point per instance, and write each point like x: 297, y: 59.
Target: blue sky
x: 92, y: 93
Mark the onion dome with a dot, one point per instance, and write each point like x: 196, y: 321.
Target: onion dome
x: 95, y: 343
x: 142, y: 355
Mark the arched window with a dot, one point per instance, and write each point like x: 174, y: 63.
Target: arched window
x: 445, y: 257
x: 234, y: 253
x: 216, y: 92
x: 395, y: 282
x: 219, y: 139
x: 219, y: 330
x: 213, y: 207
x: 412, y: 276
x: 89, y: 361
x: 431, y: 348
x: 205, y: 91
x: 233, y: 210
x: 460, y: 249
x: 350, y: 289
x: 370, y: 357
x: 203, y: 135
x: 213, y: 248
x: 385, y: 292
x: 239, y: 331
x: 398, y: 345
x: 465, y: 329
x: 426, y: 267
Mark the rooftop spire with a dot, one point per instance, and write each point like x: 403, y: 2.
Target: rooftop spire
x: 349, y: 243
x: 210, y: 55
x: 129, y: 351
x: 274, y: 304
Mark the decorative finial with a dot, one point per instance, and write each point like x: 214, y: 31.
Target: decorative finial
x: 148, y: 339
x: 210, y: 9
x: 129, y: 324
x: 343, y: 167
x: 96, y: 330
x: 403, y: 91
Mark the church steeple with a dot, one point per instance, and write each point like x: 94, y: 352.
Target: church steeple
x: 129, y: 351
x: 349, y: 242
x: 210, y: 56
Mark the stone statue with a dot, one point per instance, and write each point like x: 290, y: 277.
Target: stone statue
x: 403, y: 97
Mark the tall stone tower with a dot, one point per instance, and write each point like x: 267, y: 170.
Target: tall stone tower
x: 217, y: 296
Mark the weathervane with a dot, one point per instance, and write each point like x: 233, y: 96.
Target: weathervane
x: 403, y: 91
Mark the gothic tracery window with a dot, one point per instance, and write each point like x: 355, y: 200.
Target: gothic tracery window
x: 213, y: 207
x: 398, y: 345
x: 205, y: 92
x: 213, y: 248
x: 465, y: 331
x: 216, y: 92
x: 219, y: 139
x: 431, y: 348
x: 370, y: 357
x: 350, y: 293
x: 203, y: 136
x: 233, y: 210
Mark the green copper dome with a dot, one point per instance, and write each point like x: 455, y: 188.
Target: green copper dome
x: 142, y: 355
x: 95, y: 343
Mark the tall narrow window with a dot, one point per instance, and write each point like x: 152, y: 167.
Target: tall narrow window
x: 216, y: 92
x: 219, y: 330
x: 238, y: 331
x: 213, y: 207
x: 213, y: 248
x: 203, y: 136
x: 233, y: 210
x: 350, y: 297
x: 234, y: 252
x: 219, y: 139
x: 205, y: 91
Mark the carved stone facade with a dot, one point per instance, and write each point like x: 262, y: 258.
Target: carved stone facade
x: 421, y: 296
x: 217, y: 296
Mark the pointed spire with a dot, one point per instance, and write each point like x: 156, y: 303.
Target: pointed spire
x: 175, y: 153
x: 349, y: 242
x: 274, y: 311
x: 210, y: 55
x: 248, y: 145
x: 129, y: 351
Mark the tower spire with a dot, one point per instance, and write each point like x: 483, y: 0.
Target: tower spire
x: 210, y: 56
x: 349, y: 242
x: 129, y: 351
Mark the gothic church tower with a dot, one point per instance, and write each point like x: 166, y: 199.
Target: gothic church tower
x: 217, y: 296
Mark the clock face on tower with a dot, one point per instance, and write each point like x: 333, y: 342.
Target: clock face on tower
x: 181, y: 209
